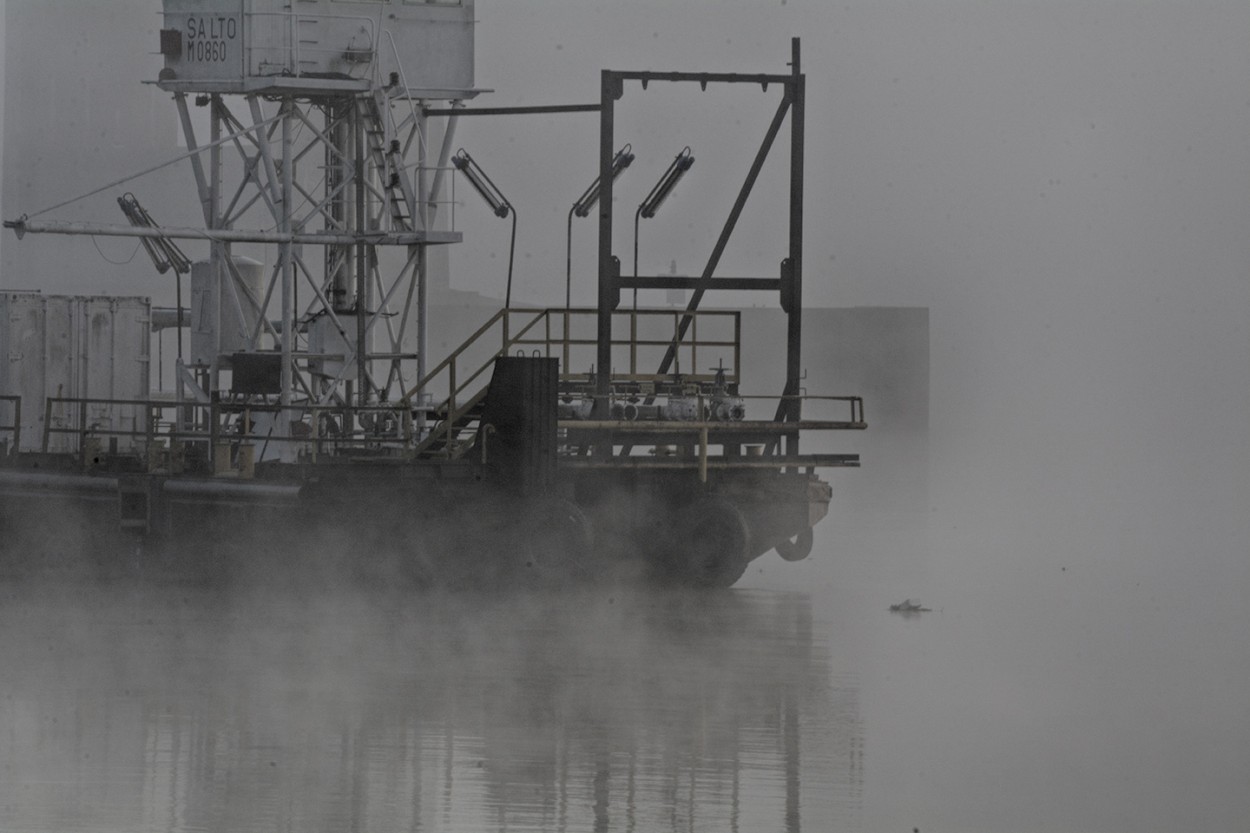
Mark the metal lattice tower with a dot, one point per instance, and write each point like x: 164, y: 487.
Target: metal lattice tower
x: 317, y: 145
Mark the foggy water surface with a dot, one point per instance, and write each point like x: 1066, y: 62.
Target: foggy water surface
x: 169, y: 709
x: 1048, y: 689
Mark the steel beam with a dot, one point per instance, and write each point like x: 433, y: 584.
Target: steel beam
x: 819, y: 461
x: 316, y: 238
x: 514, y: 111
x: 641, y: 427
x: 705, y: 78
x: 701, y: 284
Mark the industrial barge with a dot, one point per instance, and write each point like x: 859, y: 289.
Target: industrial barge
x: 587, y: 443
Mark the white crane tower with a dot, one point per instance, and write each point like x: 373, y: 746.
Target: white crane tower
x: 316, y: 144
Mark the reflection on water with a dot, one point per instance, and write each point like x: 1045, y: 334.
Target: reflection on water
x: 181, y: 710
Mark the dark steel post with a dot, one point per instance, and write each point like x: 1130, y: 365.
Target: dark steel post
x: 795, y: 313
x: 609, y: 285
x: 568, y: 267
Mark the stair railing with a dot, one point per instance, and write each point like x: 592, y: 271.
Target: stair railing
x: 452, y: 365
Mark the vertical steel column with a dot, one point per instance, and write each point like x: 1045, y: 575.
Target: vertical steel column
x: 360, y: 150
x: 339, y: 173
x: 287, y: 255
x: 218, y: 252
x: 206, y: 207
x: 794, y: 333
x: 214, y: 164
x: 609, y: 270
x: 425, y: 216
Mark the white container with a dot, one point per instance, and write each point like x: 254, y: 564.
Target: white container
x: 246, y: 45
x: 95, y: 347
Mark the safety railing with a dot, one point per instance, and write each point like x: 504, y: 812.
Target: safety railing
x: 640, y: 339
x: 841, y: 411
x: 744, y: 443
x: 448, y: 396
x: 11, y: 429
x: 147, y: 429
x: 754, y: 414
x: 227, y: 438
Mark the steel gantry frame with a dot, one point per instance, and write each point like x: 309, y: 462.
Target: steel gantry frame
x: 789, y: 284
x: 364, y: 193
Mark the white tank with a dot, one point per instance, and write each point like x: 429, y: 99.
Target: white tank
x: 224, y: 307
x: 239, y: 46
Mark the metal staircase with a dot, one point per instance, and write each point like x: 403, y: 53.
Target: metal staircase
x: 387, y: 155
x: 461, y: 380
x: 456, y: 431
x: 457, y: 415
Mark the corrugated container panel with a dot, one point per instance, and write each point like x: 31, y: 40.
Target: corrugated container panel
x: 94, y: 347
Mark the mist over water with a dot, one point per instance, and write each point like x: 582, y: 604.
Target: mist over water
x: 176, y: 710
x: 796, y: 701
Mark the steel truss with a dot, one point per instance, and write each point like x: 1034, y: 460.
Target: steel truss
x: 346, y: 173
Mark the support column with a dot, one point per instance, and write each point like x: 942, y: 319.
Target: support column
x: 359, y: 153
x: 609, y: 269
x: 287, y: 259
x: 218, y: 251
x: 339, y: 173
x: 424, y: 216
x: 794, y: 332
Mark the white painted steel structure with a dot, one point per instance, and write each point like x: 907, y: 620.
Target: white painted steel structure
x: 317, y: 147
x: 317, y: 155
